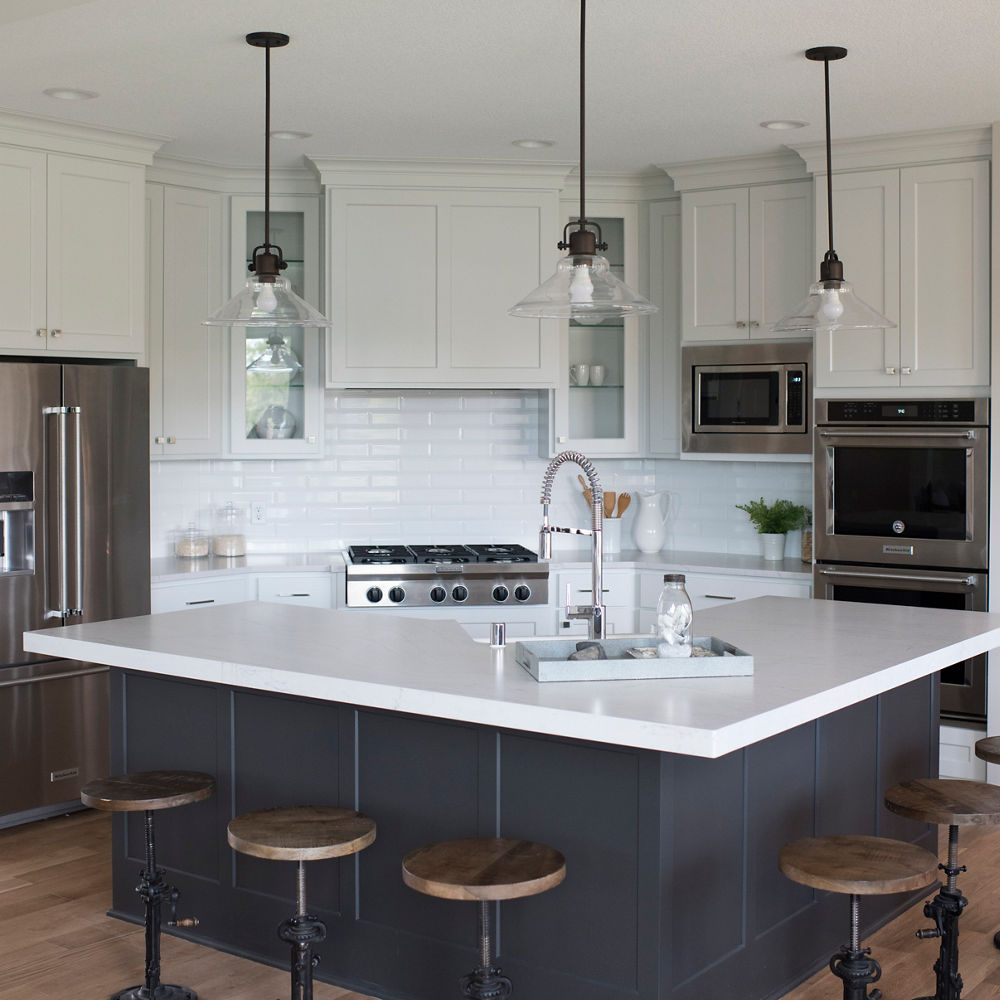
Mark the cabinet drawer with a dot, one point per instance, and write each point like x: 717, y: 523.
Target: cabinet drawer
x: 177, y: 597
x: 620, y: 621
x: 619, y: 588
x: 708, y: 591
x: 314, y: 590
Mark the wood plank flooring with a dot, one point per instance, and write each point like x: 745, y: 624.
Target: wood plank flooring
x: 56, y: 941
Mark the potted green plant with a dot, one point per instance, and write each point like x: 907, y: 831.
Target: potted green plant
x: 774, y: 521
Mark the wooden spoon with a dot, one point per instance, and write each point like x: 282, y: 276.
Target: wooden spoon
x: 624, y: 499
x: 588, y: 495
x: 609, y: 503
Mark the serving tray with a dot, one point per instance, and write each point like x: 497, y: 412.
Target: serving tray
x: 545, y: 660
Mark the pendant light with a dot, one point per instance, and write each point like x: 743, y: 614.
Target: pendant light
x: 267, y: 299
x: 583, y: 288
x: 831, y: 303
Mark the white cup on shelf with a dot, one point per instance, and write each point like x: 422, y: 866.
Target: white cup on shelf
x: 597, y: 374
x: 579, y: 374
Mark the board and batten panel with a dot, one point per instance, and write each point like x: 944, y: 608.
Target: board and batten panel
x: 96, y: 212
x: 715, y: 272
x: 22, y: 252
x: 866, y: 237
x: 384, y: 296
x: 486, y: 283
x: 781, y: 264
x: 944, y: 273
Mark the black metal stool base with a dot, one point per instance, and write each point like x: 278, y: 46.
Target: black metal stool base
x: 302, y: 932
x: 160, y: 992
x: 486, y: 983
x: 858, y: 970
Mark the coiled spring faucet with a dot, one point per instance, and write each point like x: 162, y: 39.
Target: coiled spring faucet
x: 595, y: 613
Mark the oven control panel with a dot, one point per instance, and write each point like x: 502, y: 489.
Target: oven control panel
x: 898, y: 411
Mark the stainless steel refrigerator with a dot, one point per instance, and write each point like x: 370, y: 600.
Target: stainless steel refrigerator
x: 74, y: 547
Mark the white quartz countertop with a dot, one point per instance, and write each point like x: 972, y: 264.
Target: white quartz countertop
x: 810, y: 658
x: 173, y: 568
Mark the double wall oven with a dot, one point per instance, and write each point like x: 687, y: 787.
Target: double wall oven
x: 902, y: 494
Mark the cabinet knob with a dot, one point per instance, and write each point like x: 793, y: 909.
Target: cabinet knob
x: 41, y: 331
x: 311, y: 439
x: 159, y: 439
x: 906, y: 370
x: 57, y: 333
x: 741, y: 324
x: 754, y: 323
x: 171, y: 440
x: 891, y: 371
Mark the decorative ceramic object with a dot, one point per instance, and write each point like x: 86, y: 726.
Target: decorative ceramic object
x: 612, y: 529
x: 650, y: 530
x: 773, y: 544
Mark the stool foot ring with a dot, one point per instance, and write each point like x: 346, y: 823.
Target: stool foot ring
x: 858, y: 970
x: 486, y: 983
x: 302, y: 932
x: 160, y: 992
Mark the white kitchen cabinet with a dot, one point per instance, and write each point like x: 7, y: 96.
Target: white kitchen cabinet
x: 313, y: 590
x: 71, y: 267
x: 265, y: 404
x: 200, y: 593
x: 600, y: 420
x: 746, y: 259
x: 420, y: 284
x: 619, y: 599
x: 915, y: 245
x: 184, y: 279
x: 318, y: 590
x: 663, y: 435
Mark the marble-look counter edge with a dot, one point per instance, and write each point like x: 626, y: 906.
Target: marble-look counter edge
x: 174, y: 569
x: 811, y: 658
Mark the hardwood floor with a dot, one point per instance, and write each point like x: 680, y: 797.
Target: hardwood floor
x: 56, y: 941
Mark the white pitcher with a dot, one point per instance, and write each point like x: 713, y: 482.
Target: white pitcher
x: 650, y: 530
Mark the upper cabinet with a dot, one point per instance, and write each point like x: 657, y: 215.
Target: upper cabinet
x: 747, y: 259
x: 915, y: 246
x: 184, y: 283
x: 72, y: 262
x: 425, y: 260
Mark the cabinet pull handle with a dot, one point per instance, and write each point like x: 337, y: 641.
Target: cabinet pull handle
x: 754, y: 323
x: 741, y: 324
x: 210, y: 600
x: 57, y: 333
x: 41, y: 331
x: 721, y: 597
x: 891, y: 371
x: 590, y: 590
x: 907, y: 370
x: 293, y: 595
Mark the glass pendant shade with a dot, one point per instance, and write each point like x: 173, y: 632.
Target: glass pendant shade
x: 832, y: 305
x: 277, y: 359
x: 585, y: 290
x: 267, y: 303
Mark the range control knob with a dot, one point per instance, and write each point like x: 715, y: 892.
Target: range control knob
x: 523, y: 592
x: 396, y: 595
x: 438, y: 594
x: 374, y: 595
x: 500, y: 593
x: 460, y: 593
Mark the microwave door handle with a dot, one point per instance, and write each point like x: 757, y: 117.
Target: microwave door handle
x: 969, y: 434
x: 969, y: 581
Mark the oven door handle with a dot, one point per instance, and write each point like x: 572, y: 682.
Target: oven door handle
x: 969, y: 581
x: 969, y: 434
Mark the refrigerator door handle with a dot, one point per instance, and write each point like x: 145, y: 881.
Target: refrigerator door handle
x: 62, y: 480
x: 76, y: 480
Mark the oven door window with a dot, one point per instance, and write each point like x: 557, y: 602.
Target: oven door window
x: 905, y: 491
x: 738, y: 398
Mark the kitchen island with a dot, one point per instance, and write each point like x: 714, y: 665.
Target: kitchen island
x: 669, y: 799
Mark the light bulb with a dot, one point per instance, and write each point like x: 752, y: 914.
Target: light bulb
x: 266, y: 301
x: 831, y: 307
x: 581, y: 288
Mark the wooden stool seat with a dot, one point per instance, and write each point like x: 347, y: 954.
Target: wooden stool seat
x: 946, y: 801
x: 858, y: 865
x: 483, y: 868
x: 147, y: 790
x: 988, y: 749
x: 300, y: 833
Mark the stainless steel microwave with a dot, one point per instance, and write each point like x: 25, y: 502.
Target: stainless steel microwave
x: 752, y: 398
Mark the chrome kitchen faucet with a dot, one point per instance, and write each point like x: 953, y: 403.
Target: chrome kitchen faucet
x: 596, y: 612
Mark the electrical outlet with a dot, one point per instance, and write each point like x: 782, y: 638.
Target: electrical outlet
x: 258, y: 513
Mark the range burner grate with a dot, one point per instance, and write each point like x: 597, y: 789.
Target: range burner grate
x: 380, y: 555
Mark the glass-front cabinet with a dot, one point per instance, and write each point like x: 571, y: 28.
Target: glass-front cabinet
x: 596, y: 407
x: 276, y: 373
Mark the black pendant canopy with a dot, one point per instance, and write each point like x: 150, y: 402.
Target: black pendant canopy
x: 267, y: 299
x: 831, y: 303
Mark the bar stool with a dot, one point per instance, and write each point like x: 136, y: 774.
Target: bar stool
x: 148, y: 791
x: 301, y: 834
x: 484, y: 869
x: 988, y: 749
x: 857, y: 866
x: 954, y: 803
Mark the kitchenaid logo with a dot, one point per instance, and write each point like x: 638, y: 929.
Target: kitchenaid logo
x: 898, y: 550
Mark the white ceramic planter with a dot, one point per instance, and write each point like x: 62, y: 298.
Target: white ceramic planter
x: 773, y: 545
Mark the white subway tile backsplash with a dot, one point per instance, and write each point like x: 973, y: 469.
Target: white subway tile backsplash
x: 445, y: 466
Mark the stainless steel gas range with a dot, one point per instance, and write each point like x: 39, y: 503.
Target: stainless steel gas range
x: 445, y: 576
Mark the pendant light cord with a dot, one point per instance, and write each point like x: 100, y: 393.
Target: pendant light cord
x: 267, y: 147
x: 829, y: 159
x: 583, y: 76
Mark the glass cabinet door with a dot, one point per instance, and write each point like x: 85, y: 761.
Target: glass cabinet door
x: 596, y: 408
x: 276, y: 372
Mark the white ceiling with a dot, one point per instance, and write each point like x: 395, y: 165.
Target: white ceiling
x: 668, y: 80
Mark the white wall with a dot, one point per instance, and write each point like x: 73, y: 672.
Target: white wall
x: 446, y: 466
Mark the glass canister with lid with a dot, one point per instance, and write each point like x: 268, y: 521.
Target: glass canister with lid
x: 674, y: 617
x: 229, y: 539
x: 192, y: 543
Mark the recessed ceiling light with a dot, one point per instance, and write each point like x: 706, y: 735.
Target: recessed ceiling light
x: 783, y: 124
x: 70, y: 94
x: 287, y: 133
x: 533, y: 143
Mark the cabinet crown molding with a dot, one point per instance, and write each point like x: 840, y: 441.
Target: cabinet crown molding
x: 336, y: 171
x: 736, y: 171
x: 902, y: 149
x: 225, y: 179
x: 56, y: 136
